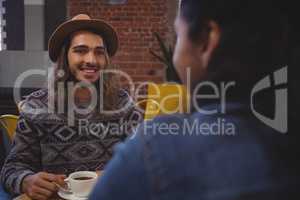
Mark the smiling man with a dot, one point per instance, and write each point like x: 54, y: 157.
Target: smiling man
x: 46, y: 146
x: 86, y: 47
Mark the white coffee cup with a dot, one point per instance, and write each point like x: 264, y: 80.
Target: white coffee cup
x: 81, y: 182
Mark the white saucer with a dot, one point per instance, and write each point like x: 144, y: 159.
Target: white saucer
x: 70, y: 196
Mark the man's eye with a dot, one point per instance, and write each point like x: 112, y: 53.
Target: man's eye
x: 99, y: 52
x: 81, y: 51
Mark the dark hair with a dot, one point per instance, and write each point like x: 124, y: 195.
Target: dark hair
x: 254, y: 36
x: 258, y: 36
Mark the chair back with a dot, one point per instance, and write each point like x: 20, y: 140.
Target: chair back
x: 167, y: 98
x: 150, y: 108
x: 9, y: 122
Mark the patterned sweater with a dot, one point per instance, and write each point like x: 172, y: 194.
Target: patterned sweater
x: 45, y: 141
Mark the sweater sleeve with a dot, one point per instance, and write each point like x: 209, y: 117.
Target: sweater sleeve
x: 132, y: 121
x: 133, y: 117
x: 24, y: 158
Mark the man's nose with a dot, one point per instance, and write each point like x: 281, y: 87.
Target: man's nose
x: 90, y: 58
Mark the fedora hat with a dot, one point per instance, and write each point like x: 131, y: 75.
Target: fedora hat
x: 82, y: 22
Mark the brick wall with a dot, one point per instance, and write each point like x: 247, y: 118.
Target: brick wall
x: 135, y: 23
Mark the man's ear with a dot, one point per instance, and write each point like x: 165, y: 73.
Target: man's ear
x: 213, y: 39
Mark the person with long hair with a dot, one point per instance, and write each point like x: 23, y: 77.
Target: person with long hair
x: 74, y: 123
x: 233, y: 144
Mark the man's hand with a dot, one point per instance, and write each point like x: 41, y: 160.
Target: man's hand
x: 40, y: 186
x: 99, y: 172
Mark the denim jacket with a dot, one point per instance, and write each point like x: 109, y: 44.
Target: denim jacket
x: 196, y: 156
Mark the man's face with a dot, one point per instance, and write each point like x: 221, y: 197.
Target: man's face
x: 86, y: 56
x: 188, y: 54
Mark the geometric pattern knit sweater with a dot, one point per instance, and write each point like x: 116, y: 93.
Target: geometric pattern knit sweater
x: 46, y: 142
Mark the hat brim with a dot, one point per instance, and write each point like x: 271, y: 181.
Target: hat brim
x: 106, y: 31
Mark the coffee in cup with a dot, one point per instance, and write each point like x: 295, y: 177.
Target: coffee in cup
x: 81, y: 182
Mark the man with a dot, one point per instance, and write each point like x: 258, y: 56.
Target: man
x: 70, y: 126
x: 221, y: 150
